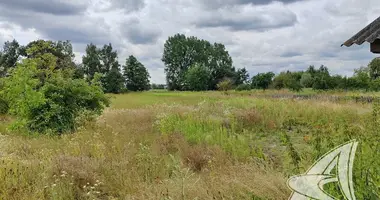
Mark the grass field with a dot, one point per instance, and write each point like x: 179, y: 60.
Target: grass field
x: 191, y: 145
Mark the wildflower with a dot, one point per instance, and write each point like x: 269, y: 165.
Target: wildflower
x: 92, y: 188
x: 84, y: 187
x: 96, y: 185
x: 63, y: 175
x: 88, y: 193
x: 53, y: 185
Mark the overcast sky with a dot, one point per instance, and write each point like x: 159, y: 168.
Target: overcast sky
x: 261, y: 35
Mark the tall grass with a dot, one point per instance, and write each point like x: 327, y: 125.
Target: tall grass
x: 188, y: 145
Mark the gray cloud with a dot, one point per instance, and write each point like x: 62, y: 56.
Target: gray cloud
x: 129, y: 5
x: 136, y: 33
x: 55, y: 7
x: 75, y: 27
x: 249, y: 19
x: 291, y: 54
x: 227, y: 3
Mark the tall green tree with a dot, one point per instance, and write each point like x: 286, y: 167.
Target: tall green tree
x: 181, y: 52
x: 220, y: 66
x: 9, y: 56
x: 108, y: 59
x: 113, y: 81
x: 91, y: 61
x: 136, y: 75
x: 374, y: 68
x: 62, y: 51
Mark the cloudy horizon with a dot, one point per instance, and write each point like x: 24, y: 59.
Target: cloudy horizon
x: 260, y: 35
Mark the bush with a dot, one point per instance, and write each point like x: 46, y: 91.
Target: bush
x: 197, y: 78
x: 52, y: 106
x: 243, y: 87
x: 375, y: 85
x: 225, y: 85
x: 4, y: 107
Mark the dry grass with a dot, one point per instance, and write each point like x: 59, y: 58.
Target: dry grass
x: 158, y: 146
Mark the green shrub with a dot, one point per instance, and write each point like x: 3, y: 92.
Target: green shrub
x: 52, y: 106
x: 3, y: 106
x: 225, y: 85
x: 197, y: 78
x: 243, y: 87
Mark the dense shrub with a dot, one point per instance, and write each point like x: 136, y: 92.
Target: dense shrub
x: 52, y: 106
x: 3, y: 106
x: 197, y: 78
x: 225, y: 85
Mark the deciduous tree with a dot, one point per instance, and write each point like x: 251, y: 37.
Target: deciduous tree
x: 136, y: 75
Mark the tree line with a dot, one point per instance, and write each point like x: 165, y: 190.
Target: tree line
x: 115, y: 78
x: 196, y: 64
x: 364, y: 78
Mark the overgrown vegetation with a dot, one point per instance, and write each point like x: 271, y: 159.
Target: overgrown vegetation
x: 44, y: 97
x: 173, y: 145
x: 186, y: 145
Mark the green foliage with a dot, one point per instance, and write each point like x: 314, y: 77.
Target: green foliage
x: 9, y: 56
x: 108, y: 59
x: 51, y: 54
x: 374, y: 68
x: 181, y: 52
x: 91, y: 61
x: 114, y: 81
x: 51, y: 107
x: 103, y: 61
x: 78, y: 72
x: 243, y: 87
x: 197, y: 78
x: 136, y: 75
x: 294, y: 84
x: 4, y: 107
x: 157, y: 86
x: 321, y: 79
x: 306, y: 80
x: 362, y: 76
x: 262, y: 80
x: 225, y: 85
x: 279, y: 82
x: 242, y: 76
x: 375, y: 85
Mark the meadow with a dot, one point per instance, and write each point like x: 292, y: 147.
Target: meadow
x: 192, y: 145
